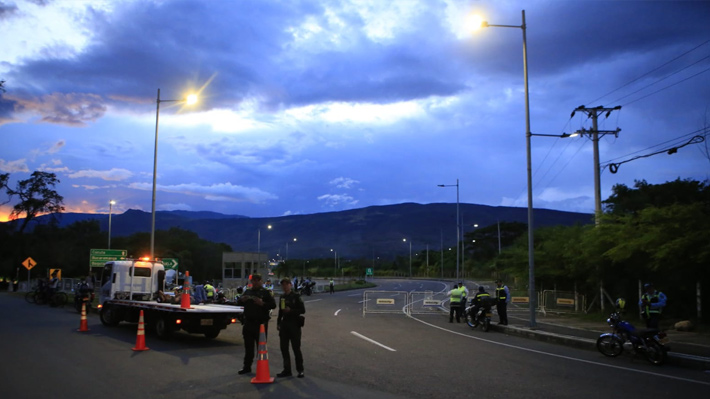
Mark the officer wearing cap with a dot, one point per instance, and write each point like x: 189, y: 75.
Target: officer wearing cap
x: 257, y: 302
x: 652, y: 303
x: 289, y: 323
x: 502, y: 301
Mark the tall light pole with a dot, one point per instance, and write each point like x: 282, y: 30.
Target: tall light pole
x: 191, y: 99
x: 110, y: 208
x: 335, y: 262
x: 258, y: 242
x: 410, y: 256
x: 458, y: 226
x: 294, y: 240
x: 531, y: 256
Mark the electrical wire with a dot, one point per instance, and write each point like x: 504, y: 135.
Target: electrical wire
x: 669, y: 86
x: 693, y: 133
x: 649, y: 72
x: 614, y: 167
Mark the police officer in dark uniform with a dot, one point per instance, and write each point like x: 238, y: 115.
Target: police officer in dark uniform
x: 289, y: 323
x: 257, y: 302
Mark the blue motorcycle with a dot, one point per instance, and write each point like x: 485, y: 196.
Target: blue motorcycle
x: 651, y: 343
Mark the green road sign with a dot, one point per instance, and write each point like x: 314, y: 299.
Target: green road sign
x: 368, y: 272
x: 170, y: 263
x: 97, y: 257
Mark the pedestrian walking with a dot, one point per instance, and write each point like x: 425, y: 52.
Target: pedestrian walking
x: 502, y: 301
x: 257, y: 302
x: 455, y: 296
x: 652, y: 303
x: 332, y: 286
x: 289, y: 324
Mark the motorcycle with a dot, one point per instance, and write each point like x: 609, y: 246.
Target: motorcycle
x: 307, y: 288
x: 82, y: 293
x: 651, y: 343
x: 481, y: 317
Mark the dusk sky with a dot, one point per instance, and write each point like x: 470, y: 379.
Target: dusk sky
x: 315, y: 106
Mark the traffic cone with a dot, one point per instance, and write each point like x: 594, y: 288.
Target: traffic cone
x: 263, y: 376
x: 83, y: 325
x: 185, y: 298
x: 140, y: 337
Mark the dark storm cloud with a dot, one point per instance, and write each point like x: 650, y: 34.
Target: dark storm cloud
x: 7, y: 10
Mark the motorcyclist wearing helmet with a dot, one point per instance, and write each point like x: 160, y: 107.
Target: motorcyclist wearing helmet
x: 481, y: 299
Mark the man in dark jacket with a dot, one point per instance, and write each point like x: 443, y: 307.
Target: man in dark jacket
x: 291, y: 310
x: 257, y: 302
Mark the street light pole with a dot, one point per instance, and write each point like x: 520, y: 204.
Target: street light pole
x: 458, y: 225
x: 110, y: 208
x: 335, y: 262
x: 410, y: 256
x: 191, y: 99
x: 528, y: 134
x: 258, y: 243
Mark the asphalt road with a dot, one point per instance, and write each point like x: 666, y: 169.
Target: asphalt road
x: 346, y: 356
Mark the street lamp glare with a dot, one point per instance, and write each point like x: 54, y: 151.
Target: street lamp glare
x: 476, y: 22
x: 191, y: 99
x: 112, y: 202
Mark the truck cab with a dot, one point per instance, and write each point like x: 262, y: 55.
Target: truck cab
x: 136, y: 280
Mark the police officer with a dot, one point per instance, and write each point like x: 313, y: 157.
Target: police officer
x: 652, y: 303
x: 209, y: 291
x: 291, y: 309
x: 455, y: 296
x: 480, y: 300
x: 332, y: 286
x: 257, y: 302
x: 502, y: 301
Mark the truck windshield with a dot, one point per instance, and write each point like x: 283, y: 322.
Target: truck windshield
x: 140, y: 271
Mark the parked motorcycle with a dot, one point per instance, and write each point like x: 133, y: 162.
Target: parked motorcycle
x: 83, y: 293
x: 307, y: 288
x: 651, y: 343
x: 481, y: 317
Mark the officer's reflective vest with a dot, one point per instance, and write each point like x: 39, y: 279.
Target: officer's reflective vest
x: 653, y: 298
x: 456, y: 294
x: 480, y: 297
x: 210, y: 290
x: 500, y: 294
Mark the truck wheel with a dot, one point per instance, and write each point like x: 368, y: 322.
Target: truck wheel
x: 212, y: 333
x: 109, y: 316
x: 163, y: 328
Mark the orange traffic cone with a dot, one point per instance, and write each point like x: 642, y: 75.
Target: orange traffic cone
x: 263, y: 376
x: 140, y: 337
x: 83, y: 325
x: 185, y: 299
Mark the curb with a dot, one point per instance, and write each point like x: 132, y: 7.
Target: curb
x: 676, y: 359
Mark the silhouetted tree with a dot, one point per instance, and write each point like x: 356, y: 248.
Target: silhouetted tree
x: 37, y: 195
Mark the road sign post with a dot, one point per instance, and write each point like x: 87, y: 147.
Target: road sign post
x: 29, y: 263
x: 170, y: 263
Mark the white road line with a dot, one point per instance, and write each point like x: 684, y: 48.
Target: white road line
x: 312, y: 300
x: 337, y: 311
x: 564, y: 357
x: 355, y: 295
x: 364, y: 301
x: 372, y: 341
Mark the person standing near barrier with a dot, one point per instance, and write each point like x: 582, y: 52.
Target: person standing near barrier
x: 652, y: 303
x: 257, y: 302
x: 455, y: 296
x: 502, y: 301
x: 464, y: 295
x: 332, y: 286
x: 289, y: 323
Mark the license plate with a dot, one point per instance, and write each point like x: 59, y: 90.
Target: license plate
x: 489, y: 314
x: 206, y: 322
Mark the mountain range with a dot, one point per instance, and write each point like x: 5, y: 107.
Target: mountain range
x: 363, y: 232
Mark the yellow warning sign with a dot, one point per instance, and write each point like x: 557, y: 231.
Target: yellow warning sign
x: 29, y: 263
x: 565, y: 301
x: 58, y: 271
x: 520, y: 299
x: 385, y: 301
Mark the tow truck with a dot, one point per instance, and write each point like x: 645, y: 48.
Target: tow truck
x: 129, y: 286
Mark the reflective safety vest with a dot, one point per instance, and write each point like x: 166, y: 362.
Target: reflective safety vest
x: 480, y: 297
x: 210, y: 290
x: 653, y: 298
x: 332, y: 282
x: 456, y: 294
x: 500, y: 294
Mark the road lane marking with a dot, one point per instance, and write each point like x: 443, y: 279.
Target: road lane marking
x: 562, y: 356
x: 372, y: 341
x: 337, y: 311
x: 312, y: 300
x: 355, y: 295
x: 364, y: 301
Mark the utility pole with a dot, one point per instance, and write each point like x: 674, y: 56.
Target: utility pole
x: 594, y: 133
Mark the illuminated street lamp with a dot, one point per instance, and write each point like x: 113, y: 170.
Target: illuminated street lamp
x: 110, y: 208
x: 458, y: 226
x: 190, y: 100
x: 258, y: 243
x: 335, y: 262
x: 531, y: 257
x: 294, y: 240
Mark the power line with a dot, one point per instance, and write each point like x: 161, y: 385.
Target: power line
x: 669, y: 86
x: 661, y: 79
x: 614, y: 167
x: 650, y: 72
x: 695, y: 132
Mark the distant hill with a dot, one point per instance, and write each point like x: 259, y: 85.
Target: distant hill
x: 364, y: 232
